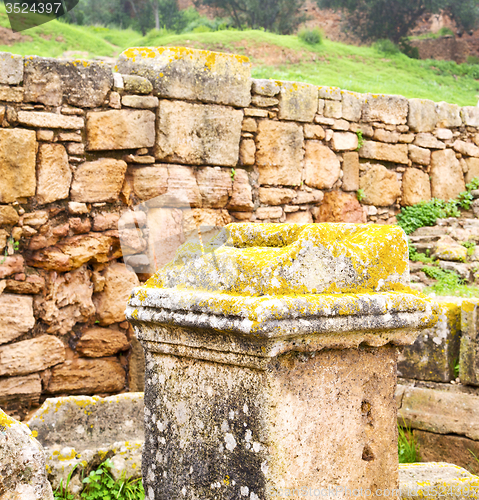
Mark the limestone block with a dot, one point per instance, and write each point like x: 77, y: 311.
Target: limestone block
x: 11, y: 68
x: 249, y: 125
x: 380, y: 185
x: 422, y: 115
x: 22, y: 461
x: 269, y: 213
x: 53, y: 173
x: 247, y: 152
x: 415, y: 187
x: 87, y: 376
x: 448, y: 115
x: 469, y: 354
x: 447, y: 178
x: 198, y: 134
x: 17, y: 164
x: 436, y: 350
x: 419, y: 155
x: 350, y: 171
x: 101, y: 342
x: 11, y: 264
x: 330, y: 93
x: 313, y: 131
x: 41, y: 119
x: 48, y: 81
x: 344, y: 141
x: 134, y: 84
x: 352, y: 106
x: 389, y: 109
x: 268, y: 88
x: 439, y: 411
x: 472, y: 169
x: 140, y: 102
x: 462, y: 270
x: 333, y: 109
x: 16, y: 315
x: 383, y: 135
x: 27, y: 388
x: 215, y: 185
x: 470, y: 116
x: 241, y: 199
x: 9, y: 94
x: 466, y: 148
x: 120, y: 129
x: 444, y: 134
x: 340, y: 207
x: 303, y: 196
x: 110, y: 303
x: 396, y: 153
x: 322, y: 166
x: 206, y: 217
x: 264, y: 102
x: 8, y: 215
x: 191, y: 74
x: 279, y: 153
x: 149, y: 182
x: 32, y: 355
x: 276, y: 196
x: 99, y: 180
x: 448, y: 249
x: 300, y: 217
x: 419, y: 480
x: 182, y: 185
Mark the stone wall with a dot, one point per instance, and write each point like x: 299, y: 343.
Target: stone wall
x: 79, y: 145
x: 446, y: 48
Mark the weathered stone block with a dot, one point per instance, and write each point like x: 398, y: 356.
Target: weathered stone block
x: 333, y: 109
x: 395, y: 153
x: 134, y: 84
x: 466, y: 148
x: 101, y: 342
x: 11, y: 264
x: 389, y: 109
x: 383, y: 135
x: 17, y: 164
x: 191, y: 74
x: 26, y: 389
x: 341, y: 207
x: 149, y: 182
x: 472, y: 169
x: 415, y: 187
x: 30, y: 356
x: 264, y: 102
x: 276, y: 196
x: 300, y: 217
x: 247, y: 152
x: 11, y: 68
x: 344, y: 141
x: 279, y: 153
x: 263, y: 213
x: 140, y: 102
x: 447, y: 178
x: 22, y: 461
x: 350, y: 171
x: 268, y: 88
x: 54, y: 175
x: 449, y: 249
x: 380, y: 186
x: 215, y: 185
x: 9, y: 94
x: 49, y: 120
x: 241, y: 199
x: 470, y: 116
x: 122, y: 129
x: 16, y: 316
x: 448, y: 115
x: 352, y: 106
x: 322, y: 166
x: 182, y: 185
x: 82, y: 83
x: 87, y: 376
x: 436, y: 350
x: 99, y: 180
x: 422, y: 115
x: 469, y: 355
x: 8, y: 215
x: 198, y: 134
x: 330, y: 93
x: 419, y: 155
x: 313, y: 131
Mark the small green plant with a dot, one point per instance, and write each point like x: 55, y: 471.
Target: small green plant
x: 456, y: 368
x: 470, y: 245
x: 408, y: 447
x: 386, y: 46
x: 445, y: 31
x: 360, y: 195
x: 61, y: 493
x: 311, y: 36
x: 359, y: 133
x: 15, y: 245
x: 416, y: 256
x: 233, y: 173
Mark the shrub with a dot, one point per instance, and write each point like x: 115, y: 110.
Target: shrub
x: 311, y: 36
x: 386, y: 46
x: 445, y: 31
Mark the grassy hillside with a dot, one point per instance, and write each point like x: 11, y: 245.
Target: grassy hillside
x: 361, y: 69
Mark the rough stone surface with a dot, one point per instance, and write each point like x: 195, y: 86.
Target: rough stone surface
x: 419, y: 155
x: 99, y: 180
x: 53, y: 173
x: 472, y: 169
x: 341, y: 207
x: 8, y: 216
x: 32, y: 355
x: 11, y: 68
x: 276, y: 196
x: 470, y: 116
x: 215, y: 185
x: 100, y: 342
x: 448, y: 115
x: 380, y: 186
x: 350, y: 171
x: 299, y: 102
x: 469, y: 354
x: 22, y: 462
x: 17, y: 164
x: 241, y: 196
x: 385, y: 108
x: 352, y: 106
x: 49, y: 81
x: 447, y: 179
x: 135, y: 84
x: 16, y: 316
x: 322, y: 166
x: 448, y: 249
x: 279, y: 153
x: 466, y: 148
x: 198, y: 134
x: 415, y: 187
x: 183, y: 186
x: 111, y: 302
x: 422, y: 115
x: 149, y: 182
x: 49, y: 120
x: 247, y: 152
x: 27, y: 388
x: 191, y: 74
x: 344, y: 141
x: 396, y: 153
x: 140, y: 102
x: 122, y: 129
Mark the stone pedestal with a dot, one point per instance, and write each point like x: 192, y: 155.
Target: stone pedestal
x: 271, y: 361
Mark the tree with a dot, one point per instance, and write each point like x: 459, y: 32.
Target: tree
x: 281, y: 16
x: 392, y: 19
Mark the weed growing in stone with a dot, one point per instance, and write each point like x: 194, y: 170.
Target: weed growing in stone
x: 360, y: 139
x: 61, y: 493
x: 470, y: 245
x: 449, y: 283
x: 416, y: 256
x: 360, y: 194
x: 408, y: 447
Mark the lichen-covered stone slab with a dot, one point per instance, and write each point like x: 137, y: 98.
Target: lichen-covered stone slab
x: 299, y: 101
x: 469, y: 356
x: 436, y: 350
x: 22, y: 463
x: 191, y: 74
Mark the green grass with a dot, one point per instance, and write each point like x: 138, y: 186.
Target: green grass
x: 408, y: 448
x: 361, y: 69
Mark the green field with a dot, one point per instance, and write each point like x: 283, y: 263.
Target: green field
x: 281, y: 57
